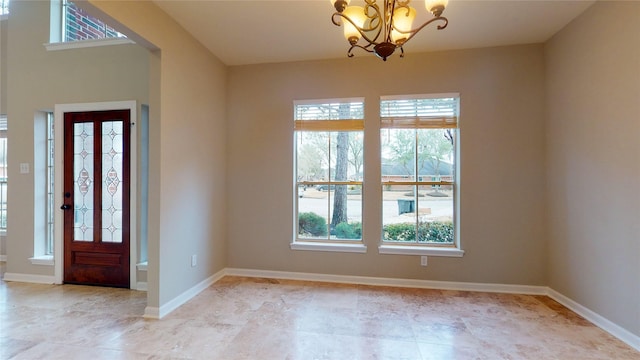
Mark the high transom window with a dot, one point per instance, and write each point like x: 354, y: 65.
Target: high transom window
x: 77, y: 25
x: 329, y: 170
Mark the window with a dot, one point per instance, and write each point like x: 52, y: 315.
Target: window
x: 70, y: 27
x: 329, y: 171
x: 418, y: 167
x: 78, y: 25
x: 43, y: 181
x: 4, y: 7
x: 3, y: 173
x: 49, y: 216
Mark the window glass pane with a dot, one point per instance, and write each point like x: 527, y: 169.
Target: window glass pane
x: 317, y: 215
x: 422, y: 216
x: 313, y: 212
x: 435, y: 214
x: 4, y: 7
x: 351, y: 227
x: 435, y: 154
x: 112, y: 197
x: 50, y: 185
x: 312, y: 156
x: 398, y: 154
x: 83, y: 182
x: 399, y: 213
x: 78, y: 25
x: 346, y: 156
x: 326, y: 210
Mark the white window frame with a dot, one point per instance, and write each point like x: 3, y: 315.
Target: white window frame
x: 333, y: 125
x: 412, y: 122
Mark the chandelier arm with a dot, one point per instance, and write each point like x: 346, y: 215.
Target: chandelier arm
x: 389, y: 9
x: 413, y: 32
x: 365, y: 48
x: 333, y: 18
x: 375, y: 20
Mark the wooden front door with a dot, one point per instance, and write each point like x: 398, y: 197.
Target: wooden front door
x: 96, y: 197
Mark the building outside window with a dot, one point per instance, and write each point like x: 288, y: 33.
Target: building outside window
x: 77, y: 25
x: 329, y: 170
x: 418, y: 167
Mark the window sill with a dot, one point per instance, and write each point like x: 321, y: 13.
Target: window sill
x: 337, y: 247
x: 420, y: 250
x: 46, y: 260
x: 142, y: 266
x: 86, y: 43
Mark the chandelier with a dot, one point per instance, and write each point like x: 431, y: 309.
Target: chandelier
x: 382, y: 31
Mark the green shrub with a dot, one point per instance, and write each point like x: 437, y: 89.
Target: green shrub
x: 312, y: 224
x: 349, y: 230
x: 399, y: 232
x: 439, y: 232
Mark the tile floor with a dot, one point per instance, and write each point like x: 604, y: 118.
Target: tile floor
x: 243, y: 318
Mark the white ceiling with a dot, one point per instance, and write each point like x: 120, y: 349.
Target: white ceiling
x: 262, y: 31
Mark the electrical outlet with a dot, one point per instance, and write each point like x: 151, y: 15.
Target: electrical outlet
x: 423, y: 260
x: 24, y: 168
x: 194, y: 260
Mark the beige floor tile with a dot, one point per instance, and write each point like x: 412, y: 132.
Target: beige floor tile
x: 247, y: 318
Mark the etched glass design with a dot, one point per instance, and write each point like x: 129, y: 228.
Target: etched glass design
x: 83, y: 140
x: 112, y: 156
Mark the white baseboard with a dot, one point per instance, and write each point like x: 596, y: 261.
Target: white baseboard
x: 598, y: 320
x: 413, y: 283
x: 29, y: 278
x: 152, y: 312
x: 3, y: 257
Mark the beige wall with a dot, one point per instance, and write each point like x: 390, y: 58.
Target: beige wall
x: 187, y: 192
x: 593, y: 129
x: 502, y: 157
x: 38, y: 79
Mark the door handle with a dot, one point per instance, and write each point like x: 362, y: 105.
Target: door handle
x: 65, y: 207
